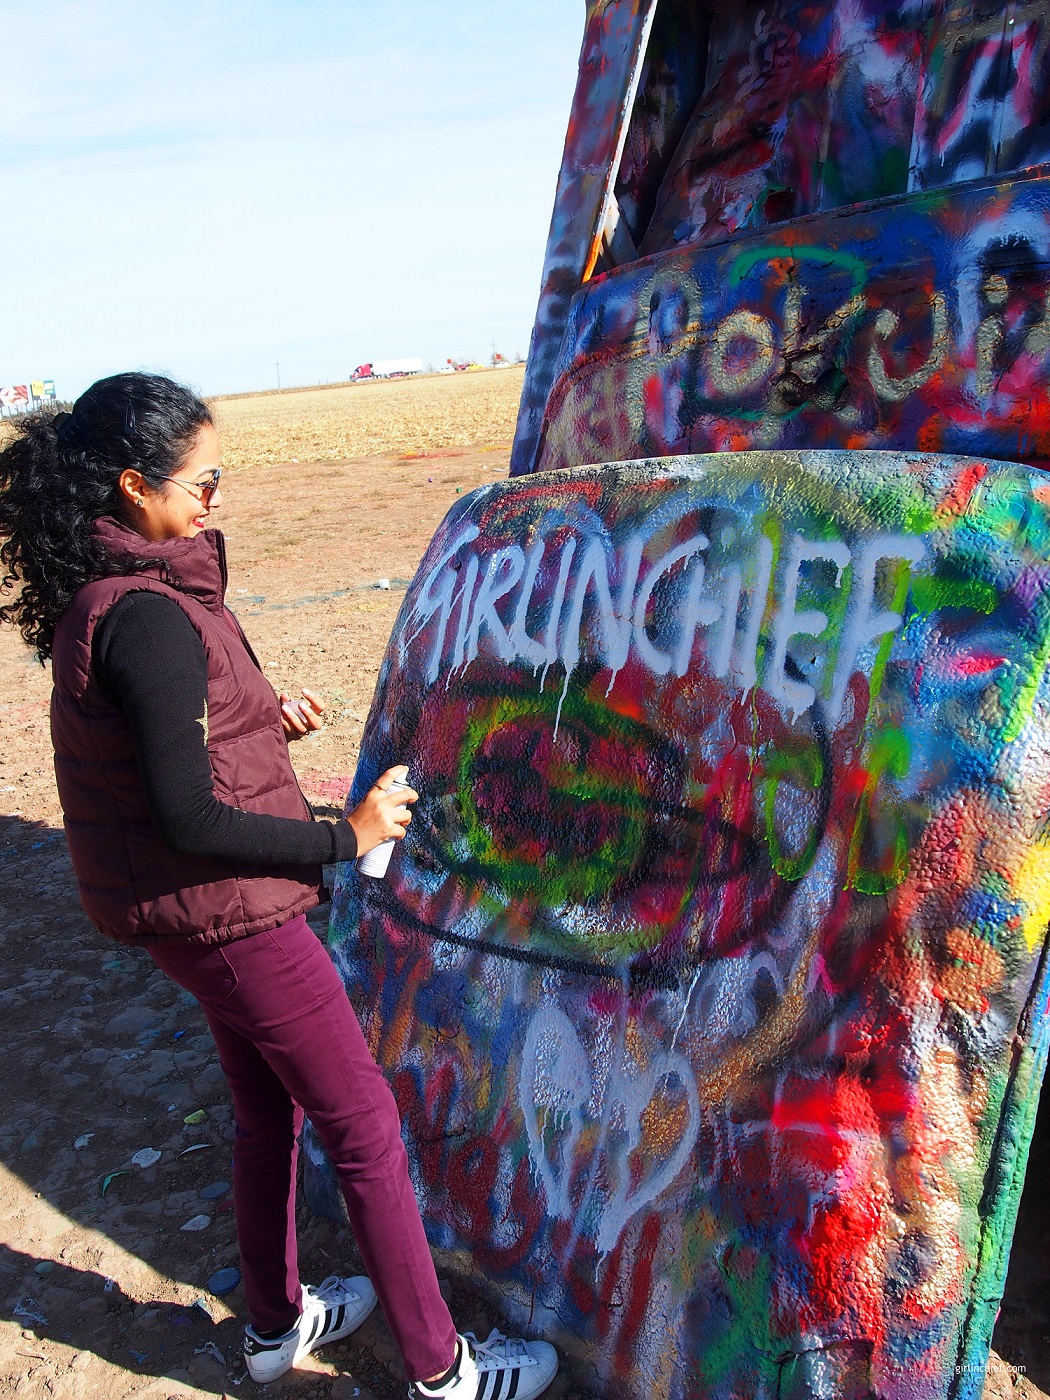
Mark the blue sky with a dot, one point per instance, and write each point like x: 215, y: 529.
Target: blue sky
x: 207, y: 186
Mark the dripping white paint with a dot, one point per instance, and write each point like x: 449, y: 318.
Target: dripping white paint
x: 734, y: 608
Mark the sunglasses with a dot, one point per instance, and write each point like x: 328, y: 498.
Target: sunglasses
x: 207, y: 489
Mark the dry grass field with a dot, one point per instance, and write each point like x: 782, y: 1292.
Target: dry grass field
x: 371, y: 419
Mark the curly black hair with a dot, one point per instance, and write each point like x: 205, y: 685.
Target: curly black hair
x: 60, y: 474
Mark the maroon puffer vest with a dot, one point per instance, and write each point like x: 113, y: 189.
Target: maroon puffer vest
x: 133, y: 887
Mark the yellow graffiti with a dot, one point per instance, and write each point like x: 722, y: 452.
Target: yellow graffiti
x: 887, y: 323
x: 1031, y: 885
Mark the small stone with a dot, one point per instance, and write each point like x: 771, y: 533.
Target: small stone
x: 199, y: 1222
x: 179, y: 1201
x: 55, y: 1299
x: 132, y: 1021
x: 211, y: 1077
x: 214, y: 1190
x: 207, y: 1368
x: 224, y: 1281
x: 133, y: 1085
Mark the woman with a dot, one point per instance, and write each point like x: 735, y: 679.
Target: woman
x: 190, y: 837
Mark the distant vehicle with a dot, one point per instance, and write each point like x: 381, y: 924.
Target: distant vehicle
x: 387, y: 369
x: 396, y: 369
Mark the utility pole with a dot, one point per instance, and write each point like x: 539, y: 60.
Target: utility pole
x: 278, y: 364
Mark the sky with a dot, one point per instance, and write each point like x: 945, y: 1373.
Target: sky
x: 207, y: 188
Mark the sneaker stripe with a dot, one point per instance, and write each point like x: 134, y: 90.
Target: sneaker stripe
x: 340, y: 1314
x: 318, y: 1320
x: 490, y: 1385
x: 515, y: 1376
x: 255, y: 1345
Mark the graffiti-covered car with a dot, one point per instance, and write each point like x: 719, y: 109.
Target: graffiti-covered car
x: 711, y: 975
x: 798, y: 225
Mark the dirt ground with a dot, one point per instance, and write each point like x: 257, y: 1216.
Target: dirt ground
x: 107, y: 1267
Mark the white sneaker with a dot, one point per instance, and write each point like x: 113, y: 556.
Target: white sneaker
x: 499, y: 1368
x: 332, y: 1310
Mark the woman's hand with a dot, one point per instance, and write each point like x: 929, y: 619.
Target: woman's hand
x: 303, y: 717
x: 382, y: 815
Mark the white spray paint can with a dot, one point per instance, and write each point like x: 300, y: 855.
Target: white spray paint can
x: 375, y: 861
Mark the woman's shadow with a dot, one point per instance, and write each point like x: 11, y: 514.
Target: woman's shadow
x: 93, y: 1314
x: 116, y: 1135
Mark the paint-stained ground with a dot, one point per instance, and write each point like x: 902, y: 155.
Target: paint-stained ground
x: 106, y: 1294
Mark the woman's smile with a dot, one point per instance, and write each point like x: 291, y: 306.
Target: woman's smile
x: 183, y: 505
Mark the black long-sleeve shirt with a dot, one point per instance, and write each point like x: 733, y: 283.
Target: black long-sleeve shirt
x: 149, y: 660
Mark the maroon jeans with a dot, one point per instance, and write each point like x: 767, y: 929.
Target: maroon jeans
x: 289, y: 1041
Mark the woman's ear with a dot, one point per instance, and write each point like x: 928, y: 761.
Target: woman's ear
x: 132, y: 486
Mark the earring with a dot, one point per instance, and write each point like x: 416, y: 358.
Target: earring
x: 141, y: 503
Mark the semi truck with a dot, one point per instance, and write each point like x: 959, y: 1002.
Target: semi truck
x: 388, y: 369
